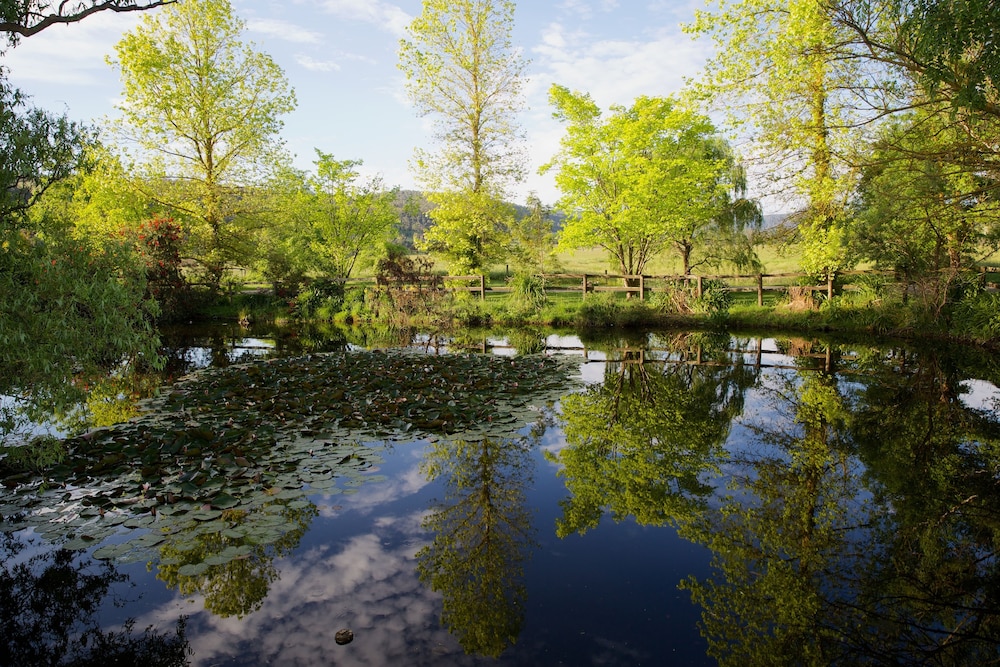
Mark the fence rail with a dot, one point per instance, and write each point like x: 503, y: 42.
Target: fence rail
x: 642, y: 285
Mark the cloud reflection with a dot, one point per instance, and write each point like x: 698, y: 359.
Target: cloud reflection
x: 368, y: 584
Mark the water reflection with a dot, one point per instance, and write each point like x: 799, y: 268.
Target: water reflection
x: 483, y: 533
x: 846, y: 495
x: 230, y: 561
x: 643, y: 442
x: 859, y: 518
x: 49, y: 603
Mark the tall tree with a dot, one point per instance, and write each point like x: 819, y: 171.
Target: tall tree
x: 641, y: 180
x: 777, y: 72
x: 463, y: 70
x: 206, y: 108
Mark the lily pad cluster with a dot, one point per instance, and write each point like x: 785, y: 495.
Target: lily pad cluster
x: 222, y: 440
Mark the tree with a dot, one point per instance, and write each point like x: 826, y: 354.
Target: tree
x: 778, y: 74
x: 919, y: 211
x: 645, y: 178
x: 461, y: 68
x: 354, y: 218
x: 24, y: 18
x: 534, y: 238
x: 206, y: 107
x: 37, y: 150
x: 68, y: 307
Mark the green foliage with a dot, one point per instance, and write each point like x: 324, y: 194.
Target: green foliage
x: 461, y: 68
x: 646, y: 178
x: 778, y: 74
x: 37, y: 149
x: 977, y: 316
x: 205, y: 107
x: 527, y: 292
x: 321, y: 300
x: 67, y: 310
x: 37, y: 455
x: 533, y: 240
x: 353, y: 219
x: 469, y: 230
x: 681, y: 298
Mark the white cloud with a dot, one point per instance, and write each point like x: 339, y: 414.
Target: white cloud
x: 69, y: 54
x: 314, y: 65
x: 386, y: 16
x: 284, y: 30
x: 617, y: 71
x: 367, y: 583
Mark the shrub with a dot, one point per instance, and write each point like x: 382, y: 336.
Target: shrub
x: 160, y: 247
x: 321, y: 300
x: 527, y: 292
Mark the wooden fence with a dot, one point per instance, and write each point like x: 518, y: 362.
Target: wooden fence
x: 642, y: 285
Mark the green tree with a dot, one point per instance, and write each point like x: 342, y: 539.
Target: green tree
x: 646, y: 178
x: 922, y: 214
x: 461, y: 68
x: 779, y: 76
x: 354, y: 217
x: 206, y: 108
x: 533, y: 238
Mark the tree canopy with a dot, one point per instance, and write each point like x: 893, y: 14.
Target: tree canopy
x: 206, y: 108
x: 462, y: 69
x: 640, y: 180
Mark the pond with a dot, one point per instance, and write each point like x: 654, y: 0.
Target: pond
x: 666, y: 498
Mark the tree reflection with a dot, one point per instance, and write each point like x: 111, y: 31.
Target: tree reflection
x: 822, y: 560
x: 230, y: 560
x: 934, y: 463
x: 641, y: 442
x: 482, y: 536
x: 778, y: 537
x: 48, y: 604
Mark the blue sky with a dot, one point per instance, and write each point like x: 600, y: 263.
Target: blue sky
x: 340, y: 56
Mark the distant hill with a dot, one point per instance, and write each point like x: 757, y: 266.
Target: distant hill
x: 772, y: 220
x: 413, y: 210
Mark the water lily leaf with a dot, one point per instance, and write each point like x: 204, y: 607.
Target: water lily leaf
x: 193, y: 569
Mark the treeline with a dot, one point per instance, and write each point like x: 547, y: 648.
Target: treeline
x: 879, y: 120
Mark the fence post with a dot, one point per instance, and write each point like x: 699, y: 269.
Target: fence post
x: 700, y: 288
x: 760, y: 289
x: 585, y: 287
x: 829, y: 284
x: 642, y: 287
x: 982, y: 276
x: 482, y: 287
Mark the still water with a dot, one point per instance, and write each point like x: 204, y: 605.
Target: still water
x: 529, y: 499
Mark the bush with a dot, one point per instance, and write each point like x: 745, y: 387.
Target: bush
x: 527, y: 292
x: 160, y: 247
x: 321, y: 300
